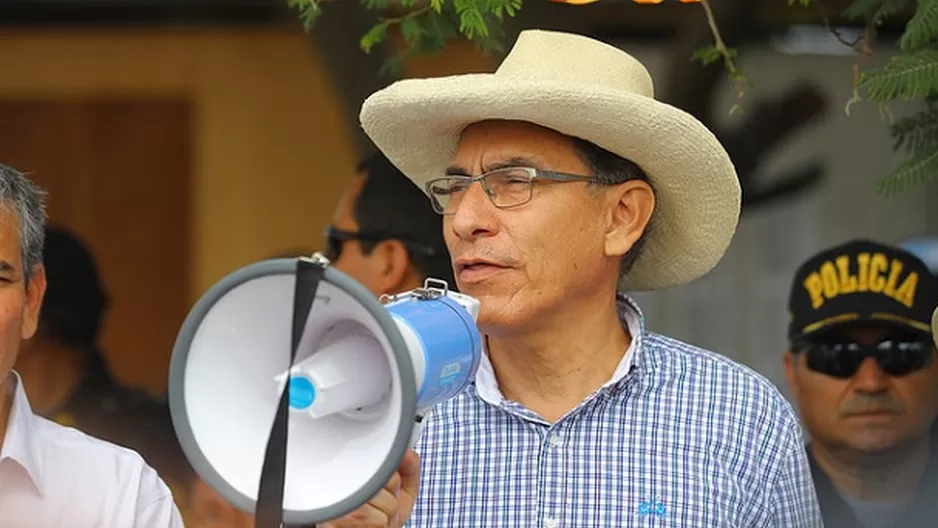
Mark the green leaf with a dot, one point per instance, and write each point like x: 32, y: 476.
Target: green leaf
x: 903, y: 77
x: 439, y: 29
x: 739, y: 76
x: 707, y: 55
x: 802, y: 3
x: 471, y: 20
x: 922, y: 28
x: 875, y: 10
x: 412, y: 31
x: 309, y: 11
x: 436, y: 5
x: 917, y: 133
x: 375, y: 35
x: 912, y: 172
x: 860, y: 9
x: 393, y: 66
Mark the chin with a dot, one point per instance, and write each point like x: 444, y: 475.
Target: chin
x: 876, y: 441
x: 502, y: 314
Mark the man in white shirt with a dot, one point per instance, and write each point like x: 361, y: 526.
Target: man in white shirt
x: 53, y: 476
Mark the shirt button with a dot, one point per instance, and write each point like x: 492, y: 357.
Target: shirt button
x: 551, y: 522
x: 555, y: 440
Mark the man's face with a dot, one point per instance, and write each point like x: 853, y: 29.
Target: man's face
x: 352, y: 260
x: 544, y: 255
x: 870, y: 412
x: 386, y: 268
x: 19, y: 304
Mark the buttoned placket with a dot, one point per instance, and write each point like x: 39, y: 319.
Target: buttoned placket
x: 552, y: 454
x: 550, y: 475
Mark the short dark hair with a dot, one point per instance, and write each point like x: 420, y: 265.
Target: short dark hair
x: 390, y: 202
x: 76, y: 300
x: 612, y: 169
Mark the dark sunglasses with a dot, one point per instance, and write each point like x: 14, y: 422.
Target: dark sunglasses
x: 335, y: 238
x: 841, y: 358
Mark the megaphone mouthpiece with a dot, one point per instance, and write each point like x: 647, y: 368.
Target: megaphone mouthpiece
x: 350, y: 371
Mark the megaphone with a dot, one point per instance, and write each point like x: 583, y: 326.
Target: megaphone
x: 345, y: 387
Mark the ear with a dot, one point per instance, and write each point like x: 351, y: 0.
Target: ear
x: 630, y: 211
x: 391, y: 265
x: 35, y: 291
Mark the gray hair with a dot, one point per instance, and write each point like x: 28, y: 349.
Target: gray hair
x: 611, y: 169
x: 27, y: 201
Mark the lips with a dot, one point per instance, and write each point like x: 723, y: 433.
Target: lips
x: 470, y: 271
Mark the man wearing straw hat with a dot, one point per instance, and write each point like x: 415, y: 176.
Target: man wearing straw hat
x: 563, y: 183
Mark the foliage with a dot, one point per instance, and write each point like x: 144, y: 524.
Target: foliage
x: 426, y: 25
x: 909, y: 76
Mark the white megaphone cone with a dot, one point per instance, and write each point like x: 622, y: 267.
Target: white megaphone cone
x: 366, y: 372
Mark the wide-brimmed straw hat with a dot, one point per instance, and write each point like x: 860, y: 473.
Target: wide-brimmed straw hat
x: 584, y: 88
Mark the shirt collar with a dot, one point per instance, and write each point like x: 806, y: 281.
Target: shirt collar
x: 20, y: 443
x: 631, y: 317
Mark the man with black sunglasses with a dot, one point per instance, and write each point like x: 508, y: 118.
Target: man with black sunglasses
x: 862, y: 369
x: 384, y: 232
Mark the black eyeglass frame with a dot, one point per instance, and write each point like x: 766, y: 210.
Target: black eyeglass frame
x: 532, y: 173
x: 335, y: 237
x: 815, y: 355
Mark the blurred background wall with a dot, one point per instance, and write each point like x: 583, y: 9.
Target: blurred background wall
x: 180, y: 155
x: 741, y: 308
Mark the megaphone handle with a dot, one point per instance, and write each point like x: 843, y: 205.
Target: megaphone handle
x: 420, y: 421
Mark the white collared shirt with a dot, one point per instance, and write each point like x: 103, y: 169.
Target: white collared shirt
x: 58, y: 477
x: 486, y: 383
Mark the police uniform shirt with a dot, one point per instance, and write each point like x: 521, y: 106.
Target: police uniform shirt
x: 919, y: 511
x: 58, y: 477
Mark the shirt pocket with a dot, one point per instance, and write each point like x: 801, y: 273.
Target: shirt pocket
x: 679, y: 486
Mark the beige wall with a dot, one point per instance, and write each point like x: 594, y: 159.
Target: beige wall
x: 263, y: 111
x: 270, y: 150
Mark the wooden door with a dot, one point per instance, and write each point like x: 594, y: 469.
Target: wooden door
x: 118, y: 174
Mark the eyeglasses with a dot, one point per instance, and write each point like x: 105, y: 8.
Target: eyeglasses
x: 508, y: 187
x: 336, y: 238
x: 842, y: 358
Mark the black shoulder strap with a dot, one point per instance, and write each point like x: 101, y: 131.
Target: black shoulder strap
x: 269, y: 510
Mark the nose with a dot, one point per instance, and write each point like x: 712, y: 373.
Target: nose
x: 870, y: 379
x: 475, y: 214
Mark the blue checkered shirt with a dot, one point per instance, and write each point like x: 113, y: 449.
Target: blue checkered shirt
x: 679, y: 437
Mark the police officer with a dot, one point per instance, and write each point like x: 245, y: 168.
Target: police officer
x: 862, y: 370
x: 67, y: 379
